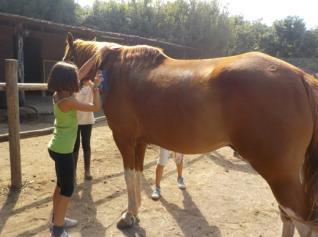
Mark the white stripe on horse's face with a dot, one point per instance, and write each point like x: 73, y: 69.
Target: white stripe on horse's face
x: 130, y: 177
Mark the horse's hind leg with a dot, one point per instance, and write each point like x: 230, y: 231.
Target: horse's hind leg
x: 288, y: 226
x: 127, y: 150
x: 289, y: 192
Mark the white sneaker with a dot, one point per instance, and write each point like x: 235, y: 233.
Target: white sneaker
x: 68, y: 222
x: 156, y: 193
x: 181, y: 183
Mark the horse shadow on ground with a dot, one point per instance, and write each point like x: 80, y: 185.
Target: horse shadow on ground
x: 238, y: 165
x: 88, y: 211
x: 86, y: 188
x: 136, y: 230
x: 7, y: 209
x: 184, y: 216
x: 85, y: 209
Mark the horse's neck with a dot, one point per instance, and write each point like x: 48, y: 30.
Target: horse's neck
x: 83, y: 58
x: 82, y: 61
x: 83, y: 55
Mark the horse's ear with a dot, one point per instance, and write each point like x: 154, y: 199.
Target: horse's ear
x: 70, y: 39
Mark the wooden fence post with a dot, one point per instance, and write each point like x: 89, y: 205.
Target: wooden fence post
x: 11, y: 77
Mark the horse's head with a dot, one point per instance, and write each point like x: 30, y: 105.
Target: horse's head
x: 104, y: 55
x: 103, y: 59
x: 79, y: 51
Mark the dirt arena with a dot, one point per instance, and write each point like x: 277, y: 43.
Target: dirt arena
x: 224, y: 196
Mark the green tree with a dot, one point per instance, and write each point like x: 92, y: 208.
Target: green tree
x: 62, y: 11
x: 309, y: 44
x: 201, y: 24
x: 289, y: 35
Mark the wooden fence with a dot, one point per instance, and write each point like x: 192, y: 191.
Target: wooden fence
x: 12, y: 87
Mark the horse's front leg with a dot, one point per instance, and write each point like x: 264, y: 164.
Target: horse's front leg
x: 140, y: 150
x: 288, y: 226
x: 127, y: 148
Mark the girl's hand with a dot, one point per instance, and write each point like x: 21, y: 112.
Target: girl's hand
x: 98, y: 79
x: 89, y: 83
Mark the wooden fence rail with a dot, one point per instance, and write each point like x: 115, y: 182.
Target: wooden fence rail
x: 28, y: 134
x: 39, y: 132
x: 26, y: 86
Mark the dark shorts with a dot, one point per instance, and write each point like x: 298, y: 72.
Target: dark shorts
x: 83, y: 131
x: 64, y: 169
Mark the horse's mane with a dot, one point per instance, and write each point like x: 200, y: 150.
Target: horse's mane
x: 135, y: 57
x: 85, y: 49
x: 141, y: 56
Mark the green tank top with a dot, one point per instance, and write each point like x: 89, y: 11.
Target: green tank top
x: 65, y: 131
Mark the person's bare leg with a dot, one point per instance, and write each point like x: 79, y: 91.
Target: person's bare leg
x: 159, y: 172
x: 56, y: 196
x: 60, y: 204
x: 162, y: 161
x: 60, y: 209
x: 156, y: 192
x: 179, y: 164
x: 180, y: 168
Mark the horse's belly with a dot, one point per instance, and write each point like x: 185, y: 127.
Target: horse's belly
x: 191, y: 138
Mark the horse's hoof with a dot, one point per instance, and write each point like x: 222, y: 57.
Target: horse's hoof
x: 122, y: 224
x: 127, y: 220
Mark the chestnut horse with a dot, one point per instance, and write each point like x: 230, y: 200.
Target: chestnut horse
x: 263, y: 107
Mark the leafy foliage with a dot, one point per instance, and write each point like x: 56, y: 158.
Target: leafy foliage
x: 62, y: 11
x: 202, y: 24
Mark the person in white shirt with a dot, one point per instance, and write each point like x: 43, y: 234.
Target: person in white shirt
x: 85, y: 123
x: 161, y: 163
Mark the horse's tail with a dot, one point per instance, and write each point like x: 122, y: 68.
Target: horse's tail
x: 310, y: 165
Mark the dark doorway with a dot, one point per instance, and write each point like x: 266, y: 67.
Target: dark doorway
x: 32, y: 61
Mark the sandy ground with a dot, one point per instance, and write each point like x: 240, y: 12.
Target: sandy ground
x: 224, y: 196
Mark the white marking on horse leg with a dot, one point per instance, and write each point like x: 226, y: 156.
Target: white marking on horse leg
x: 130, y: 177
x: 303, y: 229
x: 138, y: 189
x: 288, y: 228
x: 128, y: 218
